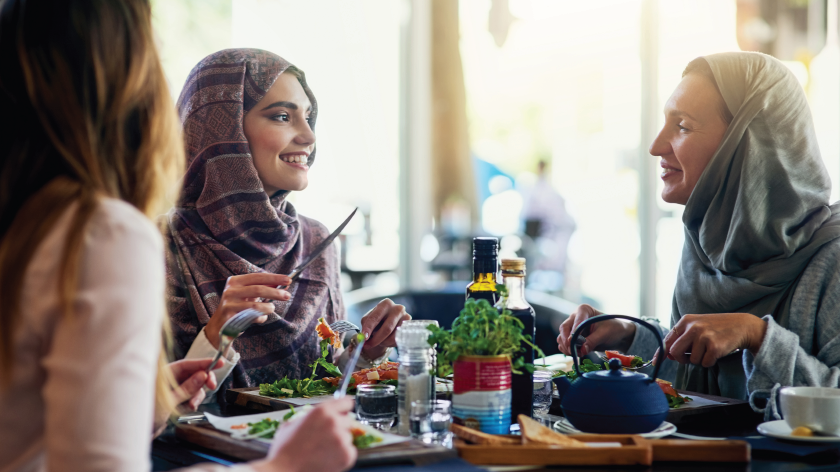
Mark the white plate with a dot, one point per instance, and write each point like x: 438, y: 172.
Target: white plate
x: 665, y: 429
x: 227, y: 423
x: 779, y: 429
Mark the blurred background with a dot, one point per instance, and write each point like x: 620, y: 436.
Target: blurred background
x: 528, y: 120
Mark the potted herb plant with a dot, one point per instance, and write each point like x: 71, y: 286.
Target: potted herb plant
x: 479, y: 350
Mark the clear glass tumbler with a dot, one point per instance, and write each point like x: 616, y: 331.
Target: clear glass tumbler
x: 376, y: 405
x: 429, y: 422
x: 543, y: 388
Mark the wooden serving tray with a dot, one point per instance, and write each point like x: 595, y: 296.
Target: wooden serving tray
x: 686, y: 450
x: 635, y: 450
x: 729, y: 407
x: 410, y: 452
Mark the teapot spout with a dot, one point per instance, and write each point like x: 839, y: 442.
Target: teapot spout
x: 563, y: 385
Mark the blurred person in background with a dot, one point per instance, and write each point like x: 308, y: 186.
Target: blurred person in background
x: 92, y: 144
x: 760, y: 269
x: 548, y: 223
x: 248, y: 117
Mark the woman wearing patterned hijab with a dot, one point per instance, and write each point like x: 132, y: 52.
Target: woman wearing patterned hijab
x: 249, y: 119
x: 760, y: 269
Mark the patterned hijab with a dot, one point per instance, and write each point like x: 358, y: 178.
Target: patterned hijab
x: 759, y: 212
x: 225, y: 224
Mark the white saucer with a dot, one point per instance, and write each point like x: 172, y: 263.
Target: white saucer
x: 779, y: 429
x: 665, y: 429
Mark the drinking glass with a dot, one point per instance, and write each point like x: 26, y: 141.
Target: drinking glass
x: 376, y: 405
x: 543, y: 387
x: 429, y: 422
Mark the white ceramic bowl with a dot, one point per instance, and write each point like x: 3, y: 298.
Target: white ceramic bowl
x: 817, y: 408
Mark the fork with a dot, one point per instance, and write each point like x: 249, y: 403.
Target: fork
x: 580, y: 342
x: 232, y: 328
x: 638, y: 367
x: 344, y: 326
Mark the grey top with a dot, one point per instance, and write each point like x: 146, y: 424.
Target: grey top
x: 805, y: 350
x: 759, y: 212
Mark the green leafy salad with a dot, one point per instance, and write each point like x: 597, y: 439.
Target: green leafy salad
x: 267, y: 427
x: 305, y: 388
x: 586, y: 365
x: 676, y: 402
x: 482, y: 330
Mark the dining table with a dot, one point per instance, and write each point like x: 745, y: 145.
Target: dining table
x: 170, y: 452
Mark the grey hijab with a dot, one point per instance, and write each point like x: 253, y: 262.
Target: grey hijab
x: 759, y: 212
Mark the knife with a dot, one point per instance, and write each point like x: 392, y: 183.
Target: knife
x: 319, y: 249
x: 350, y: 367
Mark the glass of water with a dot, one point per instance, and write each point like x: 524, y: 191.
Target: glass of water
x: 376, y: 405
x: 429, y: 422
x: 543, y: 388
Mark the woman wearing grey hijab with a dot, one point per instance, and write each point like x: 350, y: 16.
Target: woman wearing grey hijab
x: 760, y: 269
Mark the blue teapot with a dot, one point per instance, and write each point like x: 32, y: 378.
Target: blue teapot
x: 614, y: 401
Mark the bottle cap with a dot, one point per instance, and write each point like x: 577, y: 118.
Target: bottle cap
x: 412, y: 337
x: 513, y: 266
x: 484, y: 247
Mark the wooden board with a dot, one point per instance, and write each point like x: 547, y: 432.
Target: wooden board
x: 685, y: 450
x: 206, y: 436
x: 730, y: 406
x: 634, y: 450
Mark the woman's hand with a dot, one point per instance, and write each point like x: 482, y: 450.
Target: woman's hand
x: 609, y: 334
x: 191, y: 377
x: 703, y: 339
x: 245, y: 291
x: 320, y: 441
x: 380, y: 327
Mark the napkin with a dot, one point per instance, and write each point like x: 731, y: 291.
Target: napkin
x: 774, y: 449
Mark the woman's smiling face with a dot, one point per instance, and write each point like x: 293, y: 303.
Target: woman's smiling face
x: 692, y: 133
x: 279, y: 135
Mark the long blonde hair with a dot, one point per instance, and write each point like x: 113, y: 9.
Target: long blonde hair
x: 89, y: 116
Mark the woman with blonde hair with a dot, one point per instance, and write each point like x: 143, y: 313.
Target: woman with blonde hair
x: 91, y: 146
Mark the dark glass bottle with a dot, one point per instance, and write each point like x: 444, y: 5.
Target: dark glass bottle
x: 522, y: 388
x: 485, y: 265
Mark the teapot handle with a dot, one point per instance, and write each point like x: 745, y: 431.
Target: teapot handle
x: 598, y: 318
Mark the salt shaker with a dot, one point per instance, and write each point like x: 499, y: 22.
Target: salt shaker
x: 416, y: 376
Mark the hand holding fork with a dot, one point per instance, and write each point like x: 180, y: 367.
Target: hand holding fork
x: 246, y: 291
